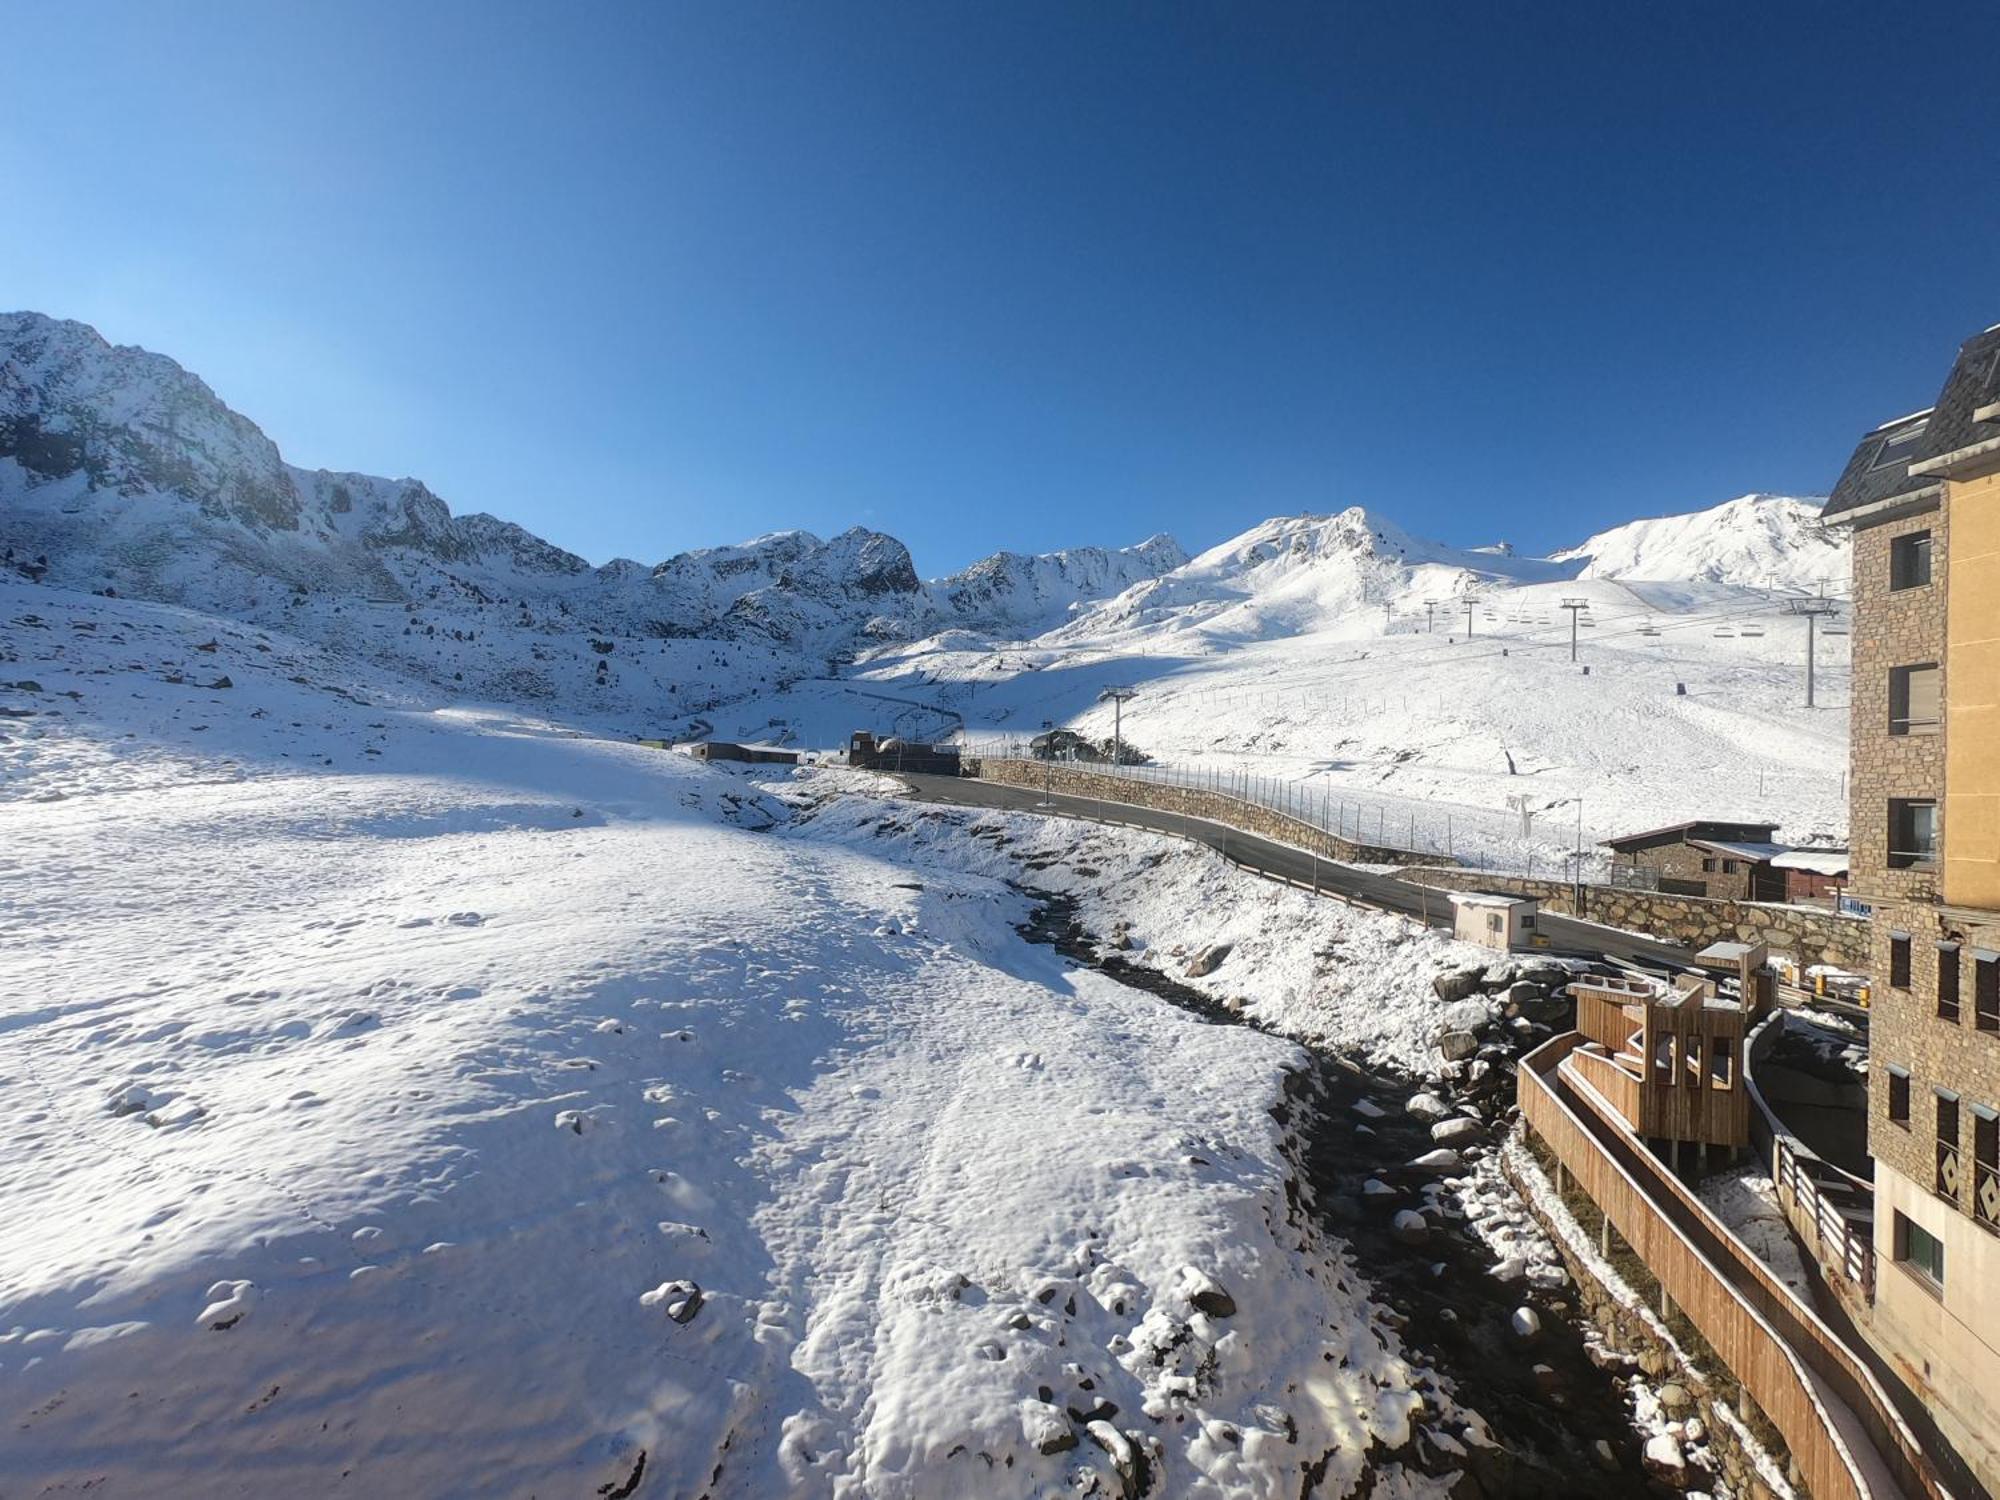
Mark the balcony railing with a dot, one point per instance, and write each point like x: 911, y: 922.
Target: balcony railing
x: 1949, y: 1171
x: 1986, y: 1195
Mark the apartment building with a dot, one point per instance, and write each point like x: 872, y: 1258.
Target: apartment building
x: 1922, y: 497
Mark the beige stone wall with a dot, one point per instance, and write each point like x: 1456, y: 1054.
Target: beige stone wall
x: 1972, y: 704
x: 1691, y: 921
x: 1892, y: 630
x: 1947, y: 1347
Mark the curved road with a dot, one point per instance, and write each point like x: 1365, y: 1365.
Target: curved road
x: 1427, y: 904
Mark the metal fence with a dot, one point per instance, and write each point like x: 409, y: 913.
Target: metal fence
x: 1478, y: 838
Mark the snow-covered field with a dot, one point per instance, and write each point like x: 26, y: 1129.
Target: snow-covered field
x: 438, y: 1101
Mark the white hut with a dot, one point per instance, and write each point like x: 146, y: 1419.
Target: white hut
x: 1493, y: 921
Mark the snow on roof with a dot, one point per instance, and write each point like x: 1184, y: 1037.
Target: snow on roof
x: 1819, y: 861
x: 1488, y: 898
x: 1908, y: 417
x: 1742, y: 849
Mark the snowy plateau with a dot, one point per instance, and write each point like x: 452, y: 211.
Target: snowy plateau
x: 419, y: 1087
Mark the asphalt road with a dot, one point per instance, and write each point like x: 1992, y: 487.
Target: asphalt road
x: 1566, y: 935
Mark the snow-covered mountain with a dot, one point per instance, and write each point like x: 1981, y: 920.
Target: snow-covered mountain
x: 121, y: 471
x: 1754, y: 541
x: 1293, y: 575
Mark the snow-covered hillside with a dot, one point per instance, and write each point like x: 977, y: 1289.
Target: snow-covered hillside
x: 1753, y: 541
x: 419, y: 1098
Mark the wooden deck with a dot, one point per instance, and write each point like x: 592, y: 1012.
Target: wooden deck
x: 1842, y: 1430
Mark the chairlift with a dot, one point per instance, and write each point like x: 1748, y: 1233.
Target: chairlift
x: 1750, y: 632
x: 1724, y: 633
x: 1833, y: 630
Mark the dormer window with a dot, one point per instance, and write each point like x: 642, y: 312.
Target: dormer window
x: 1897, y: 447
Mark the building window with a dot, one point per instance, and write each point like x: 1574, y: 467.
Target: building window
x: 1899, y: 1096
x: 1920, y: 1250
x: 1899, y: 960
x: 1729, y: 867
x: 1986, y: 1166
x: 1721, y: 1062
x: 1897, y: 447
x: 1910, y: 561
x: 1986, y: 991
x: 1947, y: 997
x: 1950, y: 1171
x: 1663, y: 1060
x: 1913, y: 832
x: 1913, y: 699
x: 1708, y: 866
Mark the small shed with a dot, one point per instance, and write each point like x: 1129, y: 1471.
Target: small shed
x: 1813, y: 875
x: 1493, y: 921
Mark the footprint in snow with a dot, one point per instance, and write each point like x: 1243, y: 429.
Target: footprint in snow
x: 466, y: 919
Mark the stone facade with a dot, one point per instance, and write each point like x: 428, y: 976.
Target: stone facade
x: 1896, y: 628
x: 1932, y: 1334
x: 1692, y: 921
x: 1718, y: 876
x: 1193, y: 802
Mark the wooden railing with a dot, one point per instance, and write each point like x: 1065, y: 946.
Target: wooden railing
x: 1810, y: 1188
x: 1775, y: 1345
x: 1625, y: 1091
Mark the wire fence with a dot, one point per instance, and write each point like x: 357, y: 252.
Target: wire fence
x: 1478, y: 838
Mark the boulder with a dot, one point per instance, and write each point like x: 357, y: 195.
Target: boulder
x: 1665, y: 1460
x: 1456, y: 1131
x: 1427, y: 1107
x: 1205, y: 1295
x: 1472, y: 1015
x: 1411, y: 1227
x: 1526, y: 1322
x: 1675, y: 1398
x: 681, y: 1299
x: 1046, y: 1429
x: 1443, y: 1159
x: 1457, y: 1045
x: 1208, y: 960
x: 1456, y: 984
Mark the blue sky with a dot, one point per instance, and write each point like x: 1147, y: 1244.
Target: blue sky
x: 651, y: 276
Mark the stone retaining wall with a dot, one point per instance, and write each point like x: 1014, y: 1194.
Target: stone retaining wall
x: 1691, y: 921
x: 1193, y: 802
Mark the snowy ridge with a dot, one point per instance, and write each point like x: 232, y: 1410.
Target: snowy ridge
x: 1753, y: 541
x: 120, y: 470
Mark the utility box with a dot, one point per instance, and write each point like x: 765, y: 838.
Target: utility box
x: 1495, y: 921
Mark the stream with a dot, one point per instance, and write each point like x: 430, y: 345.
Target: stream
x: 1548, y: 1405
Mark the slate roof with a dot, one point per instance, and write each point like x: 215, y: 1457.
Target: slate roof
x: 1693, y: 829
x: 1880, y: 466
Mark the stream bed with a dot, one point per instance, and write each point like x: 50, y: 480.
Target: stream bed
x: 1562, y: 1424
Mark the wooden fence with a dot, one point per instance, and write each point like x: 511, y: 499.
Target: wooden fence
x: 1811, y: 1190
x: 1795, y: 1369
